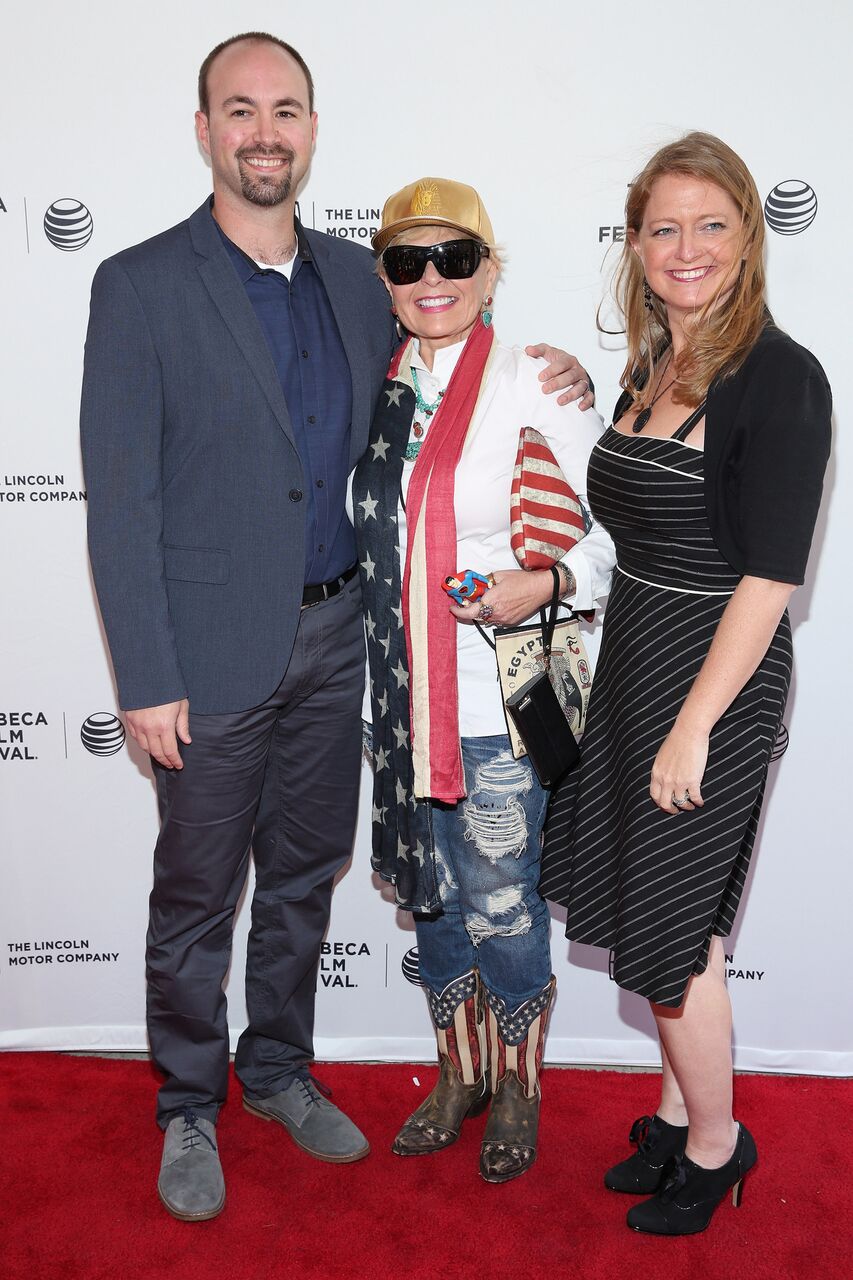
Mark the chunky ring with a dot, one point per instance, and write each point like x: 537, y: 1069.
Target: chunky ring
x: 490, y: 578
x: 485, y: 613
x: 679, y: 804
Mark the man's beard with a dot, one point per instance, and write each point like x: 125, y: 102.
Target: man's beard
x: 265, y: 189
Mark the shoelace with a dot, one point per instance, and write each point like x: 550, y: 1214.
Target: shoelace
x: 313, y: 1088
x: 192, y: 1133
x: 642, y: 1134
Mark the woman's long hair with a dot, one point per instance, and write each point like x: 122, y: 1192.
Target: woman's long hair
x: 720, y: 336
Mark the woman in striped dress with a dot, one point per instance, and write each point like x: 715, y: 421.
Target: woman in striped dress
x: 709, y: 482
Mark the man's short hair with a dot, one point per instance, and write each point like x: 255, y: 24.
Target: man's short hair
x: 258, y: 37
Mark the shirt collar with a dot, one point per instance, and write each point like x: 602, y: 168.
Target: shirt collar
x: 246, y: 267
x: 444, y: 362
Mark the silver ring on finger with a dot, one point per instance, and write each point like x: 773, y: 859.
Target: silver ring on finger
x: 679, y: 804
x: 485, y: 613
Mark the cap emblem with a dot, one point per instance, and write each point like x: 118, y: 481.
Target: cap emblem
x: 426, y: 199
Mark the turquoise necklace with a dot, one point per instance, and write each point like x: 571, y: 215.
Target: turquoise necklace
x: 426, y: 409
x: 413, y: 448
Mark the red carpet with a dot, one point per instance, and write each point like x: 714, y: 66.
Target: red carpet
x: 81, y: 1153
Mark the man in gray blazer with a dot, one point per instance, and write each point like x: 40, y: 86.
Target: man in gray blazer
x: 232, y: 364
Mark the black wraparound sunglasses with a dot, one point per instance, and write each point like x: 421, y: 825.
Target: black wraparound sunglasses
x: 453, y: 259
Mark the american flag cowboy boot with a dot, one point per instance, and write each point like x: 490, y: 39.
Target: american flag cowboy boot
x: 516, y: 1042
x: 462, y: 1088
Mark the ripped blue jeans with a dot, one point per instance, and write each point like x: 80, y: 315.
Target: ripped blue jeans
x: 487, y: 855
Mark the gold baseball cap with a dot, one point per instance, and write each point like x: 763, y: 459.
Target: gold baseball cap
x: 434, y: 202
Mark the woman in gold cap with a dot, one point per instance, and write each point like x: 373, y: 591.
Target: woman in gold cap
x: 457, y: 820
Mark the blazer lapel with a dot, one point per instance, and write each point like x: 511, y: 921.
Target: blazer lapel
x: 229, y: 295
x: 350, y: 321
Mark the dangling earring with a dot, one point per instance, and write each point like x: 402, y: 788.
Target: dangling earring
x: 486, y: 313
x: 647, y: 297
x: 401, y: 332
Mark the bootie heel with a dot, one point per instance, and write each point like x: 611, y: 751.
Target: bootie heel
x: 689, y: 1194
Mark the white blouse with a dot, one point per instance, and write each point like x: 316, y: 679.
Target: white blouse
x: 512, y: 399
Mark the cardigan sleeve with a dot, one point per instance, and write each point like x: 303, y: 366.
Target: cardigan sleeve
x: 778, y: 478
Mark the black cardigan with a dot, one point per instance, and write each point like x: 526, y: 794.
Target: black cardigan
x: 767, y: 439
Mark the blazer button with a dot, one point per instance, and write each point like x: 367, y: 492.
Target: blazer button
x: 295, y: 495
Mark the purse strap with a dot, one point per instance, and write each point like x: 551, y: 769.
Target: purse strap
x: 548, y: 627
x: 548, y: 623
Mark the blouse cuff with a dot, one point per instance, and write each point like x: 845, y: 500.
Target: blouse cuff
x: 583, y: 598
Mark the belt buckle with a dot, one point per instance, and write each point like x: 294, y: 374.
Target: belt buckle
x: 324, y: 587
x: 338, y: 583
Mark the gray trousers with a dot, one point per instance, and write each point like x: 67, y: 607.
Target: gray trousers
x: 280, y: 780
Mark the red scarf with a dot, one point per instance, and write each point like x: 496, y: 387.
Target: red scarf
x: 430, y: 557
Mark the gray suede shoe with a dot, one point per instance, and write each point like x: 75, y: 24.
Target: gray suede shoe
x: 191, y: 1184
x: 315, y: 1124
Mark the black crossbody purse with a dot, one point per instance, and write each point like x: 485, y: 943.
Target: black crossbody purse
x: 538, y: 716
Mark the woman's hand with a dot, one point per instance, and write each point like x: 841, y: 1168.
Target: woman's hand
x: 678, y: 770
x: 516, y: 595
x: 564, y: 373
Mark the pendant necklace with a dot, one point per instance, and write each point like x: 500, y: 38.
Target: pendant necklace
x: 414, y: 446
x: 643, y: 416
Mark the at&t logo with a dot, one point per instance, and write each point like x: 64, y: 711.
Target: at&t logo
x: 791, y: 207
x: 102, y: 734
x: 68, y: 225
x: 411, y: 968
x: 780, y: 746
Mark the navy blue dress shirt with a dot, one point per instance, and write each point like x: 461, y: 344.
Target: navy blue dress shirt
x: 302, y: 334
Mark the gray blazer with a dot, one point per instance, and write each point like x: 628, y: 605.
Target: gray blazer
x: 196, y: 526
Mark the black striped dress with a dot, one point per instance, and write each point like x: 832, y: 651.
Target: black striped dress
x: 651, y: 886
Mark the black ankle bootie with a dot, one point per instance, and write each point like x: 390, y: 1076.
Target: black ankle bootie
x: 689, y: 1194
x: 657, y: 1142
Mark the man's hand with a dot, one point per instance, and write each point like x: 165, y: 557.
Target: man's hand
x: 565, y: 374
x: 157, y: 730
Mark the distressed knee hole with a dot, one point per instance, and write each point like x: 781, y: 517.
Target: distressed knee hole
x: 505, y: 916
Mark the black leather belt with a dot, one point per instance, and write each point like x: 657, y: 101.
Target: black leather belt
x: 325, y: 590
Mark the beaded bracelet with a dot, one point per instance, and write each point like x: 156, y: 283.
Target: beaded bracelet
x: 570, y: 585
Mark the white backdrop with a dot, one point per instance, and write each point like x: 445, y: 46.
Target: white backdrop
x: 548, y: 110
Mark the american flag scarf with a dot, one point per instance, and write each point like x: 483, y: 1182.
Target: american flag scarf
x: 430, y: 556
